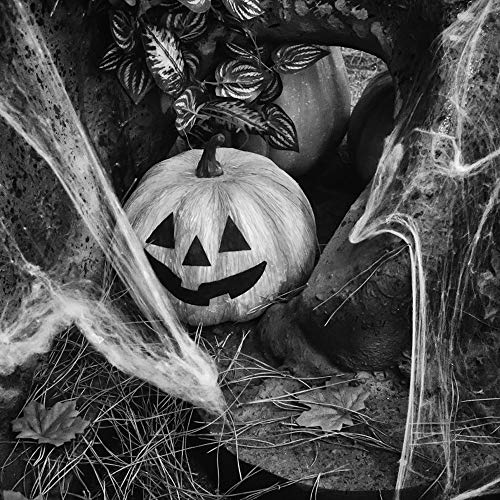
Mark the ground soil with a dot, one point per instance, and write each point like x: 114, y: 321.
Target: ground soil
x: 265, y: 403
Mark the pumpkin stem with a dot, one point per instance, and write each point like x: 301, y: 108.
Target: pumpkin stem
x: 208, y: 165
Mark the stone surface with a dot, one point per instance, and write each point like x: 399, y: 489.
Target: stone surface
x: 356, y: 307
x: 42, y: 228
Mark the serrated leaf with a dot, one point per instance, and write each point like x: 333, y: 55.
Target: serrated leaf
x: 56, y: 426
x: 331, y: 407
x: 134, y: 77
x: 186, y: 26
x: 112, y: 58
x: 282, y: 133
x: 293, y: 58
x: 235, y: 114
x: 272, y: 90
x: 186, y: 108
x: 164, y: 59
x: 14, y: 495
x: 199, y: 6
x: 123, y: 30
x: 239, y: 80
x: 244, y: 9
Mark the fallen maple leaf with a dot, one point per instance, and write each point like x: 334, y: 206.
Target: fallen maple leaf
x: 330, y: 407
x: 14, y: 495
x: 56, y: 426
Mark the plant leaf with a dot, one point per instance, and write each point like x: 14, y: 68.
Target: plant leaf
x: 330, y: 407
x: 135, y: 78
x: 186, y: 108
x: 272, y: 90
x: 56, y: 426
x: 242, y: 53
x: 191, y: 63
x: 293, y: 58
x: 282, y: 133
x: 164, y: 59
x: 186, y: 26
x: 202, y: 131
x: 236, y: 115
x: 112, y: 58
x: 239, y: 80
x: 12, y: 495
x: 123, y: 30
x: 244, y: 9
x: 199, y: 6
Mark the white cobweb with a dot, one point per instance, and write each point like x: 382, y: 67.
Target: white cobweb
x: 437, y: 188
x: 34, y: 102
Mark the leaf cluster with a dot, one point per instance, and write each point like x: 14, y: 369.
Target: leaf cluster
x: 166, y: 43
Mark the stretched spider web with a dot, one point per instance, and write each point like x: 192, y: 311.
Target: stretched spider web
x: 43, y: 296
x: 437, y: 187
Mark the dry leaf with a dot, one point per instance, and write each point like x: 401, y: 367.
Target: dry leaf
x: 56, y: 426
x: 330, y: 407
x: 14, y: 495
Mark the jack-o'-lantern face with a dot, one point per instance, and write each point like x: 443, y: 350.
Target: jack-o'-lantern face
x: 224, y: 235
x: 232, y: 240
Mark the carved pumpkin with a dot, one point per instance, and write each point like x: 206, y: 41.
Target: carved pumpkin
x: 224, y: 231
x: 318, y: 101
x: 371, y: 122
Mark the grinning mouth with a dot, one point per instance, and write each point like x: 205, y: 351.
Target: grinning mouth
x: 234, y: 285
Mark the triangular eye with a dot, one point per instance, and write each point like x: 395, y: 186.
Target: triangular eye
x: 196, y: 256
x: 163, y: 235
x: 232, y: 239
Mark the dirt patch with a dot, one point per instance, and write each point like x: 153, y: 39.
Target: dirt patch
x: 265, y: 403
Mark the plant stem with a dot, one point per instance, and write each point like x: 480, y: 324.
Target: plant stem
x: 208, y: 165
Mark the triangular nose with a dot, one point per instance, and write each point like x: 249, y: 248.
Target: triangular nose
x: 196, y: 256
